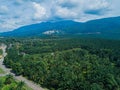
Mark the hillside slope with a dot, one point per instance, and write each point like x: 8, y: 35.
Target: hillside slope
x: 109, y: 26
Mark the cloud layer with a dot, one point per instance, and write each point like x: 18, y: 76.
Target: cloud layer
x: 16, y: 13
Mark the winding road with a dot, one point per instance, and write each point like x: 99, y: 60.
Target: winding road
x: 19, y: 78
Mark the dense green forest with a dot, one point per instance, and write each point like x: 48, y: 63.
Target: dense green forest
x: 9, y: 83
x: 66, y: 63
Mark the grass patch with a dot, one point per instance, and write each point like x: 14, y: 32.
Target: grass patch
x: 11, y: 86
x: 1, y: 52
x: 1, y: 71
x: 28, y: 88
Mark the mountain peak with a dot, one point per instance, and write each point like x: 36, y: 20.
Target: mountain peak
x: 103, y: 26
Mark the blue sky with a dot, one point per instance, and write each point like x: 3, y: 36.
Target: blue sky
x: 17, y: 13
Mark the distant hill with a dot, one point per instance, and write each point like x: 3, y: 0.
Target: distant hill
x: 106, y: 26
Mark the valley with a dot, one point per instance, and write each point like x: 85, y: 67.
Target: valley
x: 65, y: 63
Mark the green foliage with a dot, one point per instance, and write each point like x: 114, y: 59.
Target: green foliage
x: 96, y: 86
x: 20, y: 86
x: 1, y: 71
x: 67, y: 63
x: 1, y: 84
x: 9, y: 79
x: 8, y: 83
x: 1, y: 51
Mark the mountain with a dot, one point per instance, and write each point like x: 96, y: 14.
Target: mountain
x: 108, y: 26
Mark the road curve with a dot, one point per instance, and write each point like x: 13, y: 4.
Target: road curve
x: 19, y: 78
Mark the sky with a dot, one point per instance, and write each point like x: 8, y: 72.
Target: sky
x: 17, y: 13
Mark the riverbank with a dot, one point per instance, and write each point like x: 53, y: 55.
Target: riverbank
x: 19, y: 78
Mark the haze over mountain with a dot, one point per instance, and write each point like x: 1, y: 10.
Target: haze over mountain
x: 104, y: 26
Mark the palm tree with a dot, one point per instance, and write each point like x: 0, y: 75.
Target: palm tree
x: 20, y: 85
x: 1, y: 84
x: 9, y: 79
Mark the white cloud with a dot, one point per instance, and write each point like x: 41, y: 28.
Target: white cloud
x: 3, y: 9
x: 40, y: 12
x: 65, y: 13
x: 16, y: 13
x: 97, y: 4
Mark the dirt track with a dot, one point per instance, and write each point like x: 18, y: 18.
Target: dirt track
x: 19, y: 78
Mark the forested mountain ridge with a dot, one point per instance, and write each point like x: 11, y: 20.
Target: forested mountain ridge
x: 106, y: 26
